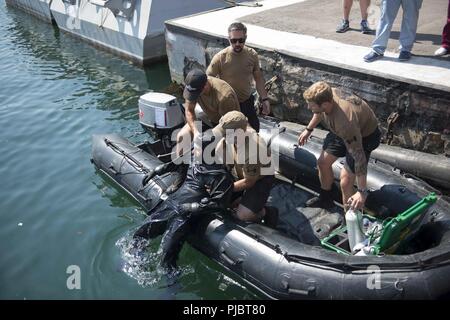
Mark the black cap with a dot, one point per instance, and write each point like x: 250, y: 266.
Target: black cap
x: 194, y: 83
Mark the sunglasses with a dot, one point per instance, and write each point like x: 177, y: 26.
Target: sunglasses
x: 240, y: 40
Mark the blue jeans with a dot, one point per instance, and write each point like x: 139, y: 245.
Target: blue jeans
x: 389, y: 10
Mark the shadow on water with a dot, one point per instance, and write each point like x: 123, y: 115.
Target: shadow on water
x: 117, y: 197
x: 205, y: 272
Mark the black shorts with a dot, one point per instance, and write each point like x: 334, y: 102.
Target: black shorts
x: 248, y: 109
x: 335, y: 145
x: 255, y: 198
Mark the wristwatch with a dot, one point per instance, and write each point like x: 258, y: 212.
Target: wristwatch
x: 364, y: 191
x: 308, y: 129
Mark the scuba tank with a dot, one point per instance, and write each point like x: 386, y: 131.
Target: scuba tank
x: 355, y: 234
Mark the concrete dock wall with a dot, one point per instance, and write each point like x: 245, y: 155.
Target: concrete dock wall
x: 424, y: 111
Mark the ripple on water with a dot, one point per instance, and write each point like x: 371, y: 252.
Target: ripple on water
x: 141, y: 261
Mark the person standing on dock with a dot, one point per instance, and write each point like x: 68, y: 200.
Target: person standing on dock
x: 344, y: 26
x: 389, y: 10
x: 214, y: 96
x: 445, y: 47
x: 354, y: 133
x: 239, y: 66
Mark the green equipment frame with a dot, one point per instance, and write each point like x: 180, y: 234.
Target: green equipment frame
x: 392, y: 234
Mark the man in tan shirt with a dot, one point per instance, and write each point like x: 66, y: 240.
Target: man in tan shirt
x: 214, y: 96
x: 239, y: 66
x: 251, y: 160
x: 353, y: 133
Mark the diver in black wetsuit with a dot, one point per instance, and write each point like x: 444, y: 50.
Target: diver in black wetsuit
x: 207, y: 187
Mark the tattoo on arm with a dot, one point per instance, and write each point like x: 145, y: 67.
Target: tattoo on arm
x: 358, y: 154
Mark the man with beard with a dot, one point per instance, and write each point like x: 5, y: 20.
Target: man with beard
x: 238, y: 65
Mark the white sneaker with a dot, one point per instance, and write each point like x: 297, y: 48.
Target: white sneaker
x: 441, y: 52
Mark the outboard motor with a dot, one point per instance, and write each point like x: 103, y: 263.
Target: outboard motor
x: 160, y: 113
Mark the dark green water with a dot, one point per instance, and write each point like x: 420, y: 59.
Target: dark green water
x: 55, y: 210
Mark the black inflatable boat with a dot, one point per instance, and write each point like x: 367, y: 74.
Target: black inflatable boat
x: 307, y: 256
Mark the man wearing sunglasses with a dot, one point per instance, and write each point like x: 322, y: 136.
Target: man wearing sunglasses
x: 239, y: 66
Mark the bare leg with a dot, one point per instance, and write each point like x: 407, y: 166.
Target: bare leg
x: 324, y: 164
x: 364, y: 5
x: 347, y: 6
x: 347, y: 186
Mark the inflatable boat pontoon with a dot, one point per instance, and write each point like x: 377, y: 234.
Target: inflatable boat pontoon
x: 307, y: 256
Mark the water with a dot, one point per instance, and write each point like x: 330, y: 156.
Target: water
x: 55, y: 210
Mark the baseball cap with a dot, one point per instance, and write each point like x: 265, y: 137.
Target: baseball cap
x: 230, y: 120
x: 194, y: 83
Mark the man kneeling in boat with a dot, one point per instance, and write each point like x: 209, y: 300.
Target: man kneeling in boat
x: 243, y: 149
x: 353, y: 133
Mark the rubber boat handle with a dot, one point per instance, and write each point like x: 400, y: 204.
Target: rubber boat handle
x: 114, y: 171
x: 229, y: 260
x: 308, y: 292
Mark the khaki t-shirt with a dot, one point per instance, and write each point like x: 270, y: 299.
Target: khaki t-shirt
x: 352, y: 120
x: 237, y: 69
x: 251, y: 159
x: 220, y: 100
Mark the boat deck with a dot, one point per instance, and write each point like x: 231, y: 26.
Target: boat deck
x: 307, y: 225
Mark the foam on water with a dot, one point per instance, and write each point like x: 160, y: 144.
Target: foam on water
x: 141, y: 261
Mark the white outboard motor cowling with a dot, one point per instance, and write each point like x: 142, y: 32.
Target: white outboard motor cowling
x: 159, y: 112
